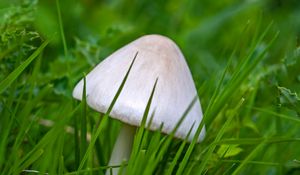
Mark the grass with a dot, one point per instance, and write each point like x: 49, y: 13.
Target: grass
x: 244, y: 58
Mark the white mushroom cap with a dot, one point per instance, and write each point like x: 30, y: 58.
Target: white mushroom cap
x: 158, y: 57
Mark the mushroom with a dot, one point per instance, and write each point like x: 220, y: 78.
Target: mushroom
x: 158, y: 57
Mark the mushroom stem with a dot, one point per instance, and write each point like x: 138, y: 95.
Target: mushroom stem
x: 122, y: 148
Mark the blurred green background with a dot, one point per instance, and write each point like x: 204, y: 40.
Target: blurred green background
x: 209, y: 33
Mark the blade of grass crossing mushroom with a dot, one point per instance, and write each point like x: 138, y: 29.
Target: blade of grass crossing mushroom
x: 153, y: 148
x: 144, y: 155
x: 99, y: 149
x: 155, y: 144
x: 178, y: 154
x: 144, y: 142
x: 83, y: 122
x: 141, y: 137
x: 155, y: 158
x: 105, y: 117
x: 15, y: 74
x: 220, y: 134
x: 187, y: 155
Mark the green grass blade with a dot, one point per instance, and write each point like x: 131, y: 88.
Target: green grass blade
x: 83, y: 122
x: 76, y: 141
x: 140, y: 133
x: 239, y: 76
x: 220, y: 134
x: 190, y: 149
x: 61, y: 28
x: 48, y: 137
x: 140, y: 139
x: 282, y: 116
x: 218, y: 89
x: 220, y: 83
x: 105, y: 117
x: 156, y: 158
x: 255, y: 141
x: 252, y: 162
x: 178, y: 154
x: 248, y: 158
x: 15, y: 74
x: 34, y: 157
x: 22, y: 134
